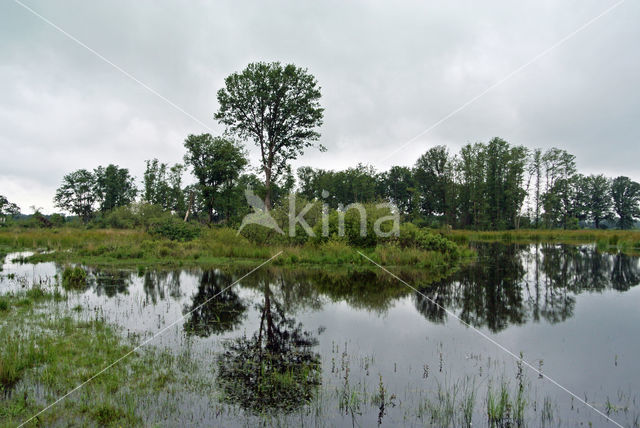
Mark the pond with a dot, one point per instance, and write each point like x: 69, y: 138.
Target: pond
x: 359, y: 348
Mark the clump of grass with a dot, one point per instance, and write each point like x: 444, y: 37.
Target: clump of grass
x: 56, y: 353
x: 74, y: 278
x: 4, y: 304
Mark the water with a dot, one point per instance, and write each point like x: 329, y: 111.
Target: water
x: 571, y: 311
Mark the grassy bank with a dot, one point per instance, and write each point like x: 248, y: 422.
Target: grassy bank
x: 48, y: 349
x: 217, y: 246
x: 627, y: 241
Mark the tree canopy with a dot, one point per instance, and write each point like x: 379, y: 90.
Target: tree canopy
x: 216, y: 162
x: 276, y: 106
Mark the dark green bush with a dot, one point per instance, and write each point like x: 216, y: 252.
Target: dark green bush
x: 174, y: 229
x: 353, y: 225
x: 412, y: 236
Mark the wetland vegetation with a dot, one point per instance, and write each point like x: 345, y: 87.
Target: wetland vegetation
x: 288, y: 346
x: 504, y: 238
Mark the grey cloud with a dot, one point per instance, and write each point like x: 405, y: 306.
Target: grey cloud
x: 388, y: 71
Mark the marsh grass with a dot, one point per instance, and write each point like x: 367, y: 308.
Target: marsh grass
x: 627, y: 241
x: 215, y: 246
x: 46, y: 352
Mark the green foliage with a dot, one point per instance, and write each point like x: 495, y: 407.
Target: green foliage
x: 278, y: 108
x: 57, y: 220
x: 57, y: 353
x: 174, y: 229
x: 132, y: 216
x: 74, y: 278
x: 7, y: 210
x: 414, y: 237
x: 114, y: 187
x: 355, y: 227
x: 216, y: 162
x: 76, y: 194
x: 358, y: 184
x: 626, y: 200
x: 163, y: 186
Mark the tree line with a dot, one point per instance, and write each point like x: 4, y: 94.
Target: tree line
x: 486, y: 186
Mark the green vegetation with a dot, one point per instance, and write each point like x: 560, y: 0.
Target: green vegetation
x: 606, y: 240
x: 47, y: 353
x: 74, y: 278
x: 223, y: 246
x: 276, y: 106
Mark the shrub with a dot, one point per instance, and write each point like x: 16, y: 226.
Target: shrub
x: 412, y: 236
x: 174, y: 229
x: 121, y: 218
x: 353, y: 225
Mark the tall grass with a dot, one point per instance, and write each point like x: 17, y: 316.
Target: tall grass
x: 212, y: 246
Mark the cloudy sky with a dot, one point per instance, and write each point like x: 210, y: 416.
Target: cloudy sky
x: 388, y: 71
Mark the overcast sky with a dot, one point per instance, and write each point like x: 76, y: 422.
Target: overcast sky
x: 388, y: 71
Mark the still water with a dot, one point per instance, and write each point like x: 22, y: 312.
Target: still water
x: 358, y: 348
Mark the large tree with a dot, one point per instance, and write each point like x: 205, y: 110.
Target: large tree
x: 626, y: 201
x: 114, y: 187
x: 276, y: 106
x: 216, y: 163
x: 7, y: 209
x: 77, y: 194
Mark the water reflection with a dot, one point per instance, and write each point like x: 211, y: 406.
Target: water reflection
x: 274, y: 369
x: 109, y: 282
x: 512, y: 284
x: 509, y: 285
x: 216, y: 307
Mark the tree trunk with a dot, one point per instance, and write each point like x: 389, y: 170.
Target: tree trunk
x: 186, y: 216
x: 211, y: 211
x: 267, y: 186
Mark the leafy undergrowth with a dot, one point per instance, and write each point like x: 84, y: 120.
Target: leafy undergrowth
x: 45, y: 354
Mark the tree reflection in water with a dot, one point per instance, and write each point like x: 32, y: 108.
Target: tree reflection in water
x: 512, y: 284
x: 216, y: 308
x: 109, y: 282
x: 274, y: 369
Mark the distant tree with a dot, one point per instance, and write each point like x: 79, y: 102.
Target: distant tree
x: 559, y: 196
x: 400, y: 188
x: 626, y: 201
x: 77, y: 194
x: 215, y: 162
x: 278, y: 108
x: 7, y: 209
x: 433, y: 175
x: 163, y: 186
x: 114, y: 187
x: 599, y: 199
x: 535, y: 171
x: 471, y: 168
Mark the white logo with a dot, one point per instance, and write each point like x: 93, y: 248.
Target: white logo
x: 260, y: 215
